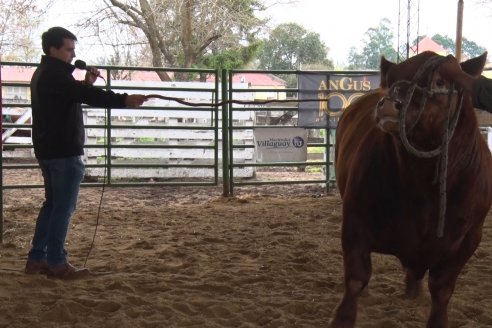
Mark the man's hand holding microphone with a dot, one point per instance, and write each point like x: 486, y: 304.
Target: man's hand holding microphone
x: 91, y: 75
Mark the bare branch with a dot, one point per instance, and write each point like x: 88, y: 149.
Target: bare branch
x: 180, y: 33
x: 19, y: 20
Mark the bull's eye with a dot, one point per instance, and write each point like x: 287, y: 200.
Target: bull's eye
x: 396, y: 92
x: 440, y: 83
x: 398, y: 105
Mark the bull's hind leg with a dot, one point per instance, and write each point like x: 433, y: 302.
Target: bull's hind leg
x: 357, y: 267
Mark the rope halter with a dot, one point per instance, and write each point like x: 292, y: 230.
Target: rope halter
x: 403, y: 104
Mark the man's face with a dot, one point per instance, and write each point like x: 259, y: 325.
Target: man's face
x: 66, y: 52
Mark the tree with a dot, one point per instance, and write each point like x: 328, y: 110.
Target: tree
x: 469, y: 48
x: 183, y: 33
x: 118, y: 51
x: 231, y: 58
x: 290, y: 47
x: 378, y: 42
x: 19, y: 19
x: 357, y: 61
x: 445, y: 41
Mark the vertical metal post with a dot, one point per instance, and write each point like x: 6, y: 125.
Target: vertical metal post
x: 107, y: 160
x: 1, y: 157
x: 459, y: 30
x: 230, y: 127
x: 215, y: 125
x: 225, y: 136
x: 328, y: 157
x: 408, y: 30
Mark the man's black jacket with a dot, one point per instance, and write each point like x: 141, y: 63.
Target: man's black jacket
x: 58, y: 126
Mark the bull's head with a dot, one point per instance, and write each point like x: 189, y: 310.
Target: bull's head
x: 419, y: 104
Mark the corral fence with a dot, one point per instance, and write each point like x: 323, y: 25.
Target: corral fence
x: 199, y: 133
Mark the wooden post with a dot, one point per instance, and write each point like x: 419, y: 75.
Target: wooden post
x: 459, y: 30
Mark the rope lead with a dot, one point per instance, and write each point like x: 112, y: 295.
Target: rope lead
x: 449, y: 128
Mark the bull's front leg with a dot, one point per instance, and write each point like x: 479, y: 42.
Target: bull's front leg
x: 413, y: 283
x: 441, y: 286
x: 357, y: 272
x: 442, y: 281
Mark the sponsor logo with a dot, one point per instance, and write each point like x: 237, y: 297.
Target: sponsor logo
x: 278, y: 143
x: 298, y: 142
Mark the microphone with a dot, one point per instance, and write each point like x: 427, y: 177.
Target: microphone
x: 80, y: 64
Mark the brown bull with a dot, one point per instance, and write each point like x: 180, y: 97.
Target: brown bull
x: 415, y: 178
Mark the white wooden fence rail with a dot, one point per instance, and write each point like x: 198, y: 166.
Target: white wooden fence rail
x: 138, y: 136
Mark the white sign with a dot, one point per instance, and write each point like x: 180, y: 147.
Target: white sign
x: 280, y: 145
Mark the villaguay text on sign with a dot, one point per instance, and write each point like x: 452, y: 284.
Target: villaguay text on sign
x: 334, y: 92
x: 280, y: 145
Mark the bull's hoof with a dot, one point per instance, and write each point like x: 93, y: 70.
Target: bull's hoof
x: 342, y: 320
x: 339, y: 324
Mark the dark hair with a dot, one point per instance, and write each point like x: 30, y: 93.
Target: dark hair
x: 54, y: 37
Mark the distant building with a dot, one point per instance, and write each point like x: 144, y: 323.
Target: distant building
x: 16, y: 94
x: 263, y: 81
x: 256, y: 80
x: 427, y: 44
x: 21, y: 94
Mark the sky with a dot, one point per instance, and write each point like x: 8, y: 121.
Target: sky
x: 342, y: 24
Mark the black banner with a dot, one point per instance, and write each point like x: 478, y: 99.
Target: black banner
x: 334, y: 91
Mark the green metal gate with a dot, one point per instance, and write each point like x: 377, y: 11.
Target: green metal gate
x: 180, y: 137
x: 281, y: 106
x: 172, y: 140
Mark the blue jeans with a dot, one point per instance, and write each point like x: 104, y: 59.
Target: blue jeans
x: 62, y: 178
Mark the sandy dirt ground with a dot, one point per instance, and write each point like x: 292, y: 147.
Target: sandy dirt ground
x: 187, y: 257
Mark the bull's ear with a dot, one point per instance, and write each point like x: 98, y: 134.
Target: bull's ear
x: 474, y: 66
x: 385, y: 67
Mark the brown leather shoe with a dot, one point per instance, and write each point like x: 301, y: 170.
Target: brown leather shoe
x: 66, y: 271
x: 36, y: 267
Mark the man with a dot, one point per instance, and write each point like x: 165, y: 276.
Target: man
x: 480, y: 87
x: 58, y: 138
